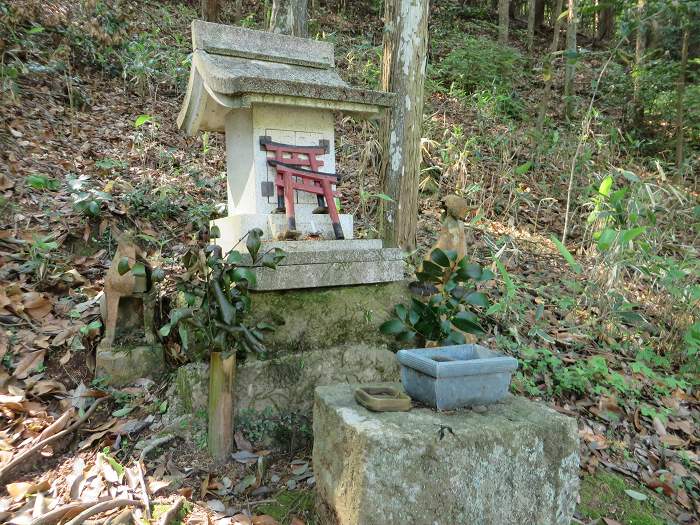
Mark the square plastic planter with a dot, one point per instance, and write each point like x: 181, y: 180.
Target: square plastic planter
x: 451, y: 377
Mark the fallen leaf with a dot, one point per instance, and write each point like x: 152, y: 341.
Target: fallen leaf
x: 677, y: 469
x: 659, y: 427
x: 36, y: 304
x: 56, y: 426
x: 683, y: 499
x: 673, y: 441
x: 636, y: 495
x: 264, y: 519
x: 241, y: 519
x: 5, y: 182
x: 296, y: 521
x: 47, y: 386
x: 31, y: 361
x: 17, y: 491
x: 610, y: 521
x: 216, y: 505
x: 154, y: 485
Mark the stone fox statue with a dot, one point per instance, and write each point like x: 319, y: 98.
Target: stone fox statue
x: 451, y: 237
x: 118, y: 286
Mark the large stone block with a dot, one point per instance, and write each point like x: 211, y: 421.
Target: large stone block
x: 319, y: 318
x: 123, y: 365
x: 516, y: 463
x: 285, y: 384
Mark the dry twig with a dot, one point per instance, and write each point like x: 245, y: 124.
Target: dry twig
x: 23, y: 459
x: 50, y: 518
x: 103, y: 507
x: 156, y: 443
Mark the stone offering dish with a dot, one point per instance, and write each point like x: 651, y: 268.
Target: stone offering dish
x: 451, y: 377
x: 382, y: 399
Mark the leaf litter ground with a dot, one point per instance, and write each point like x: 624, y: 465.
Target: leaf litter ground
x: 73, y: 177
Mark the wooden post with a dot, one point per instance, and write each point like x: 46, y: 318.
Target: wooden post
x: 222, y: 373
x: 403, y: 73
x: 290, y: 17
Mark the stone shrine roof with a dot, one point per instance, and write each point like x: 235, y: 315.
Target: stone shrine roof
x: 234, y: 67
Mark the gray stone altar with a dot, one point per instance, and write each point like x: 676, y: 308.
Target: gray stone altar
x: 516, y: 463
x: 254, y: 86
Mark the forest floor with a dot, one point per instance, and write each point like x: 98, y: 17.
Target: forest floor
x: 90, y: 149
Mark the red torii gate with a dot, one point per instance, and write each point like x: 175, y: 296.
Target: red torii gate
x: 291, y: 164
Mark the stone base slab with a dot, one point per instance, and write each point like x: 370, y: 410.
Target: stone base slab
x: 318, y: 264
x: 285, y: 384
x: 515, y: 463
x: 123, y: 365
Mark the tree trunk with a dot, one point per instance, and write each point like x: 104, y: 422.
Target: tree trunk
x: 539, y: 14
x: 547, y: 67
x: 210, y: 10
x: 403, y: 73
x: 503, y: 19
x: 639, y: 50
x: 531, y: 9
x: 606, y: 23
x: 238, y: 11
x: 680, y: 107
x: 222, y: 373
x: 289, y: 17
x: 571, y: 58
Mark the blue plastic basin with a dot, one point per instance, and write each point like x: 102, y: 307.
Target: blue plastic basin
x: 450, y: 377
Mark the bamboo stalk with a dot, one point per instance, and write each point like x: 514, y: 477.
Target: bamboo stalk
x: 222, y: 373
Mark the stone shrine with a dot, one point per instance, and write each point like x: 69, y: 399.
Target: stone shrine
x: 264, y: 90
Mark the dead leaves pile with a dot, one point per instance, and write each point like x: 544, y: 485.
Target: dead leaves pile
x: 661, y: 453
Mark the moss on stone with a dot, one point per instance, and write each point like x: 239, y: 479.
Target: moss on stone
x: 324, y: 317
x: 184, y: 389
x: 603, y: 496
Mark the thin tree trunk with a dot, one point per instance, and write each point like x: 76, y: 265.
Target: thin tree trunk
x: 680, y: 107
x: 238, y: 11
x: 639, y: 50
x: 503, y: 20
x: 571, y: 58
x: 531, y: 10
x: 548, y: 66
x: 403, y: 73
x: 290, y: 17
x: 210, y: 10
x: 222, y: 374
x: 606, y: 23
x: 539, y: 14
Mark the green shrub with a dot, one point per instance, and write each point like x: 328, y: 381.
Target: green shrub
x: 479, y: 64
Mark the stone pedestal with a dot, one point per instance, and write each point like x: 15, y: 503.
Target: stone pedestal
x: 121, y: 366
x: 318, y: 264
x: 515, y: 463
